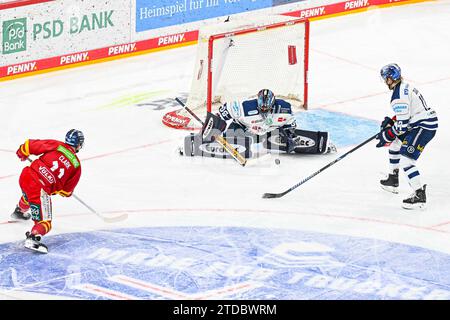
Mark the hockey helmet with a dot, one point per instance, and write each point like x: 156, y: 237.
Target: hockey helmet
x: 75, y: 138
x: 266, y: 100
x: 392, y: 71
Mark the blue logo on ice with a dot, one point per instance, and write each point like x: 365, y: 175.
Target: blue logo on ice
x: 224, y: 263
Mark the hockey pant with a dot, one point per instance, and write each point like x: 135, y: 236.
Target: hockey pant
x: 35, y: 198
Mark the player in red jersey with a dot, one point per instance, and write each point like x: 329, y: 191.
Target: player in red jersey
x: 56, y: 171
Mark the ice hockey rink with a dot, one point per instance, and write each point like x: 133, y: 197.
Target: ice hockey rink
x: 198, y: 228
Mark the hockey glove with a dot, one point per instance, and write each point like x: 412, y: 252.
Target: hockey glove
x: 386, y: 137
x: 21, y: 153
x: 387, y: 122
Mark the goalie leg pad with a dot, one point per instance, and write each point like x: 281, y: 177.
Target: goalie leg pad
x: 315, y: 142
x: 194, y: 145
x: 308, y: 142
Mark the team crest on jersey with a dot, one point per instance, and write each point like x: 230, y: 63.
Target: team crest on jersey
x: 269, y: 121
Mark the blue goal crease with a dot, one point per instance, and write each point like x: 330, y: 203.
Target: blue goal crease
x: 344, y: 129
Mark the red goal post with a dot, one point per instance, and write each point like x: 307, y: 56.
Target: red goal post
x: 237, y: 63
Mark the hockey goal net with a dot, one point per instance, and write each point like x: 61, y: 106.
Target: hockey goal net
x: 236, y: 59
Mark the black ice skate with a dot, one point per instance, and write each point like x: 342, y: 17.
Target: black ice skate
x: 32, y: 242
x: 417, y: 200
x: 391, y: 182
x: 18, y: 215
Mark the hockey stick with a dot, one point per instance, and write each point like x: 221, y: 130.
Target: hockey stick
x: 221, y: 140
x: 119, y: 218
x: 279, y: 195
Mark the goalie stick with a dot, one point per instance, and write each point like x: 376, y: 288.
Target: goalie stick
x: 221, y: 140
x: 279, y: 195
x: 118, y: 218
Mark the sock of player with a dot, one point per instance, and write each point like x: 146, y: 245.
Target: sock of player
x: 41, y: 227
x: 394, y: 160
x: 413, y: 176
x: 23, y: 204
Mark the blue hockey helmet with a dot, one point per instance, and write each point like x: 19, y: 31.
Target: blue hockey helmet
x: 75, y: 138
x: 392, y: 71
x: 266, y: 100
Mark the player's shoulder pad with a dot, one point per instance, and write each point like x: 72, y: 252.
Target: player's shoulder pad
x: 282, y: 106
x: 401, y: 91
x: 250, y: 107
x: 230, y: 110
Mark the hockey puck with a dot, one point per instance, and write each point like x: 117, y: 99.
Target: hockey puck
x: 277, y: 161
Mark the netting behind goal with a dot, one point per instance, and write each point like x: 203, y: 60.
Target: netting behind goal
x: 237, y: 59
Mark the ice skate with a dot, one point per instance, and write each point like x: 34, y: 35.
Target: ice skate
x: 331, y: 148
x: 18, y: 215
x: 416, y: 200
x: 32, y: 242
x: 391, y: 182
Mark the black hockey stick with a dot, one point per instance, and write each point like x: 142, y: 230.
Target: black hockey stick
x: 118, y: 218
x: 221, y: 140
x: 279, y: 195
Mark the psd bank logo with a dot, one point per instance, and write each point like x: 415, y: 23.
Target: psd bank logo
x: 184, y: 263
x: 14, y: 36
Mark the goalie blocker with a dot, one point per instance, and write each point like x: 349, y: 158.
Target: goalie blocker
x: 203, y: 144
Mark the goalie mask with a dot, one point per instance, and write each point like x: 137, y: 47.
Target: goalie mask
x: 266, y: 100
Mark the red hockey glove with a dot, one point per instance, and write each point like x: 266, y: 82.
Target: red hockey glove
x: 21, y: 153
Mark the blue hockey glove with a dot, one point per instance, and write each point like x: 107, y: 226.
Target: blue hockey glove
x: 387, y: 122
x: 386, y: 137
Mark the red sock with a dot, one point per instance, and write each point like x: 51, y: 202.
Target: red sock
x: 41, y: 227
x: 24, y: 205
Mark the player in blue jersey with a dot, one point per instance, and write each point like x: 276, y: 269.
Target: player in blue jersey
x: 406, y: 133
x: 264, y: 120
